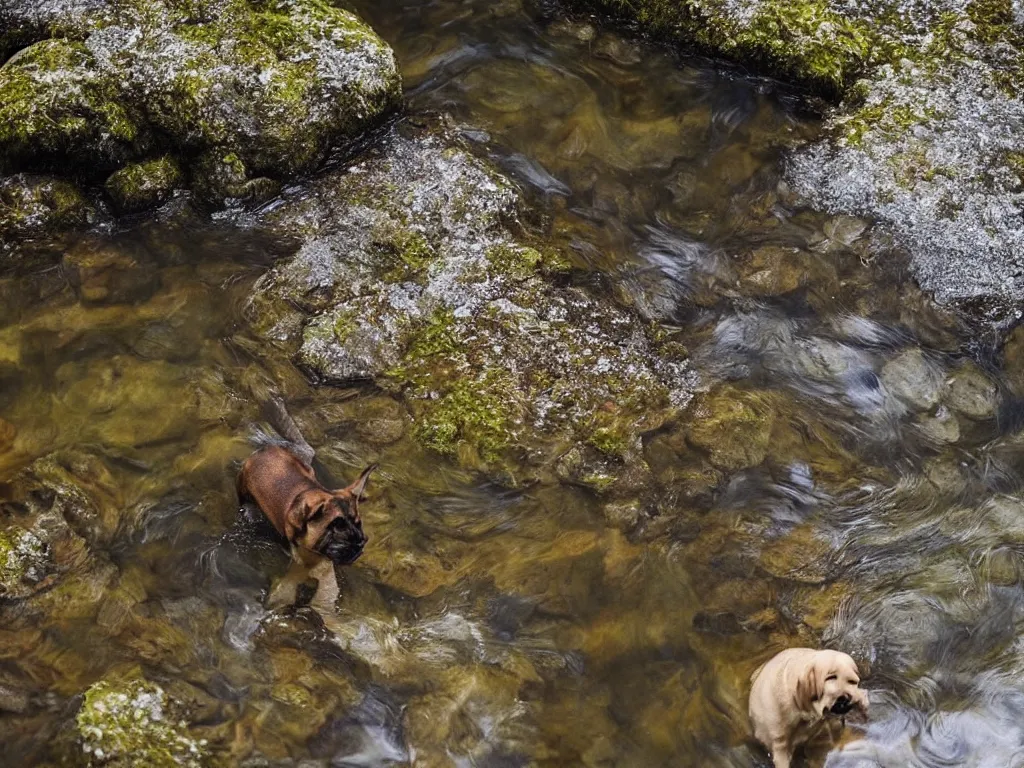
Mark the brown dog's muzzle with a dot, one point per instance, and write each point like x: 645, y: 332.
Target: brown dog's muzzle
x: 342, y: 542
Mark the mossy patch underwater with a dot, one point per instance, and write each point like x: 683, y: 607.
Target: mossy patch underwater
x: 132, y: 722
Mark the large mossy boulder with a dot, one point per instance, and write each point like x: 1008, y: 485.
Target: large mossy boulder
x: 411, y: 273
x: 926, y: 130
x: 110, y: 84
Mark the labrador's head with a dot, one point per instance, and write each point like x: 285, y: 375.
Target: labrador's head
x: 830, y: 685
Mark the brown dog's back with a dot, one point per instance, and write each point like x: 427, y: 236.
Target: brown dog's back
x: 273, y: 478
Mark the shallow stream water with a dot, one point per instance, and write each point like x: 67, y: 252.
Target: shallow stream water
x: 862, y: 489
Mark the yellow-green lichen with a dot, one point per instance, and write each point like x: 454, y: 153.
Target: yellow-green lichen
x: 406, y: 249
x: 456, y: 407
x: 806, y: 40
x: 517, y: 262
x: 993, y: 20
x: 344, y: 324
x: 20, y: 552
x: 476, y: 413
x: 143, y: 185
x: 611, y: 441
x: 129, y: 723
x: 885, y: 117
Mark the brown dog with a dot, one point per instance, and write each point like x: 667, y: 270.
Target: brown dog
x: 797, y: 692
x: 316, y: 523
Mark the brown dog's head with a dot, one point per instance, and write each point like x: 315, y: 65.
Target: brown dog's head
x: 328, y: 522
x: 831, y: 685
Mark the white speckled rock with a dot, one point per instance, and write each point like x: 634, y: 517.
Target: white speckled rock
x: 411, y: 274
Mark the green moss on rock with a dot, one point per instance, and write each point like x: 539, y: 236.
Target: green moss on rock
x: 479, y: 413
x: 218, y: 176
x: 809, y: 41
x: 143, y: 185
x: 272, y: 86
x: 31, y: 205
x: 21, y: 555
x: 132, y: 722
x: 57, y: 106
x: 454, y: 311
x: 514, y: 261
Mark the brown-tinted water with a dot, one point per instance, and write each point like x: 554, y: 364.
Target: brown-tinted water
x: 851, y: 477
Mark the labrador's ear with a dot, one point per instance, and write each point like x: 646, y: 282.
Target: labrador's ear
x: 809, y: 686
x: 357, y: 488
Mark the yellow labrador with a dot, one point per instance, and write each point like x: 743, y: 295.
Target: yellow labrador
x: 796, y: 692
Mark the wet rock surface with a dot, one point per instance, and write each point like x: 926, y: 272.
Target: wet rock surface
x: 437, y: 298
x: 106, y: 89
x: 132, y: 722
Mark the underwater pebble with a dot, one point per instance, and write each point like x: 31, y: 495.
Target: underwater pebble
x: 970, y: 392
x: 914, y: 379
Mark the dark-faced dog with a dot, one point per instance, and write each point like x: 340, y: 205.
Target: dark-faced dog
x: 322, y: 526
x: 316, y: 522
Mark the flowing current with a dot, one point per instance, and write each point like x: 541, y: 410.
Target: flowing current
x: 865, y: 489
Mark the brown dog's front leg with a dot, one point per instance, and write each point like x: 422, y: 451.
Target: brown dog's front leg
x: 285, y: 591
x: 327, y: 590
x: 781, y: 755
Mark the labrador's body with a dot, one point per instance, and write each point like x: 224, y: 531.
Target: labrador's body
x: 796, y: 693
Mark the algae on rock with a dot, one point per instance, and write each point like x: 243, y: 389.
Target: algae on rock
x: 275, y: 85
x: 133, y: 722
x: 143, y: 185
x: 31, y: 205
x: 413, y: 276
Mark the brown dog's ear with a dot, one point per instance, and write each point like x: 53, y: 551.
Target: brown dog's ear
x: 357, y: 488
x: 809, y: 687
x: 296, y: 520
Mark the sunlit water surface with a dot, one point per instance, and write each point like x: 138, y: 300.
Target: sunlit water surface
x: 880, y: 514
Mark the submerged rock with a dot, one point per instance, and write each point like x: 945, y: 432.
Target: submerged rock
x: 23, y: 561
x: 927, y: 136
x: 733, y: 427
x: 116, y: 85
x: 49, y: 518
x: 411, y: 274
x: 972, y: 393
x: 913, y: 379
x: 133, y: 722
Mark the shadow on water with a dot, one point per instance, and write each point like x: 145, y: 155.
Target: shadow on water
x: 852, y: 476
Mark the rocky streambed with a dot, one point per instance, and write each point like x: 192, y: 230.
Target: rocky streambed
x: 648, y: 408
x: 924, y: 137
